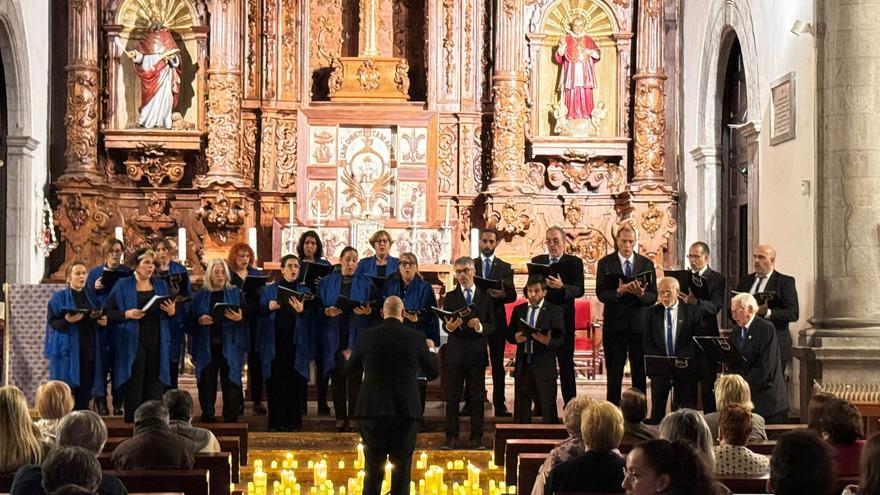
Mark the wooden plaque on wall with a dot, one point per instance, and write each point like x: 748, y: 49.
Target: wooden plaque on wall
x: 782, y: 109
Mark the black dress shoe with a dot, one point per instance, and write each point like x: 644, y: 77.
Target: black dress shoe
x: 502, y: 412
x: 101, y: 406
x: 477, y: 444
x: 465, y: 411
x: 323, y: 409
x: 449, y: 444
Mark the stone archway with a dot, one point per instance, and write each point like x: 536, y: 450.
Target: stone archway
x: 22, y: 204
x: 728, y: 20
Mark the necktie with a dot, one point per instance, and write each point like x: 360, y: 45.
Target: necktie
x: 628, y: 268
x: 487, y: 267
x: 533, y: 310
x: 670, y: 342
x: 758, y: 285
x: 742, y: 337
x: 553, y: 260
x: 467, y: 296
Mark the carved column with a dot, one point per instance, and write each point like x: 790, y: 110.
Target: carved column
x: 509, y: 90
x: 843, y: 348
x: 224, y: 96
x: 83, y: 94
x: 650, y: 121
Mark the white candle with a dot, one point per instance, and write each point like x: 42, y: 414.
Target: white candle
x: 290, y: 207
x: 117, y: 232
x: 318, y: 214
x: 252, y: 240
x: 475, y: 243
x: 181, y: 244
x: 446, y: 224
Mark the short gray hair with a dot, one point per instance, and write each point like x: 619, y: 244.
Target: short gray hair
x: 208, y: 284
x: 464, y: 261
x: 82, y: 429
x: 151, y: 409
x: 572, y: 412
x: 688, y: 425
x: 745, y: 300
x: 556, y: 229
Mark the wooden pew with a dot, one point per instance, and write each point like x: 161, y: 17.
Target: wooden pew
x: 515, y: 446
x: 189, y: 482
x: 219, y: 467
x: 776, y: 431
x: 527, y: 470
x: 505, y: 431
x: 116, y: 428
x: 228, y: 445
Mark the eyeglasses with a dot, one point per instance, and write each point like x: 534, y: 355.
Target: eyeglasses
x: 463, y: 271
x: 407, y: 263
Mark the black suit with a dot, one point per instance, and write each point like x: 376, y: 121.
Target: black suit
x: 708, y: 310
x: 535, y: 375
x: 390, y: 356
x: 625, y: 320
x: 464, y: 358
x: 500, y: 270
x: 685, y: 382
x: 572, y: 272
x: 762, y: 369
x: 783, y: 308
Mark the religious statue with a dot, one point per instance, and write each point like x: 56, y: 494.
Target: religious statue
x: 577, y: 53
x: 157, y: 62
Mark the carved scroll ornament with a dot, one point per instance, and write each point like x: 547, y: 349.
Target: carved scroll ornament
x: 224, y: 98
x: 509, y: 130
x: 511, y: 220
x: 221, y: 216
x: 446, y: 157
x: 81, y: 122
x: 80, y: 218
x: 155, y: 163
x: 650, y: 128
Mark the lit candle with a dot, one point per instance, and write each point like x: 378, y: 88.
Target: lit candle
x: 117, y: 232
x: 181, y: 244
x: 290, y: 208
x: 252, y: 239
x: 424, y: 459
x: 360, y: 456
x: 446, y: 224
x: 341, y: 464
x: 475, y: 243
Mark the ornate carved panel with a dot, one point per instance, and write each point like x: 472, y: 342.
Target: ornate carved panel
x: 446, y: 157
x: 81, y: 123
x: 224, y: 115
x: 80, y: 217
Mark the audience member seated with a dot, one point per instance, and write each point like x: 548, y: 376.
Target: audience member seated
x: 869, y: 470
x: 732, y: 457
x: 600, y: 468
x: 734, y: 389
x: 180, y: 410
x: 634, y: 407
x: 53, y: 401
x: 687, y: 425
x: 571, y: 447
x: 818, y: 402
x: 19, y: 437
x: 801, y: 464
x: 84, y: 429
x: 671, y: 468
x: 73, y: 490
x: 154, y: 445
x: 841, y: 426
x: 71, y: 466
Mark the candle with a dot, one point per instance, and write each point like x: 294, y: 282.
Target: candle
x: 290, y: 210
x: 446, y: 224
x: 341, y: 464
x: 117, y: 232
x: 181, y: 244
x: 252, y: 240
x: 273, y: 464
x: 359, y: 464
x: 475, y: 243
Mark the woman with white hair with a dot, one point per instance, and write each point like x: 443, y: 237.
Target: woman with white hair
x: 688, y: 425
x: 571, y: 447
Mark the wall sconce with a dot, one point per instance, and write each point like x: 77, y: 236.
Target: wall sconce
x: 800, y: 27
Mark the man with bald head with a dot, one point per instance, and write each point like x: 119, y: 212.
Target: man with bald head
x: 389, y: 407
x: 670, y: 333
x: 782, y: 308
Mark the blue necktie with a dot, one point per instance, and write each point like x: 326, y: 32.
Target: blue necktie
x: 627, y: 268
x: 533, y: 310
x: 467, y: 296
x: 487, y: 267
x: 742, y: 337
x: 553, y: 260
x: 670, y: 345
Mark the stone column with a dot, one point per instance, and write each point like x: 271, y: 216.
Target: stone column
x: 224, y: 96
x: 650, y: 100
x: 843, y: 347
x: 509, y: 92
x: 81, y: 121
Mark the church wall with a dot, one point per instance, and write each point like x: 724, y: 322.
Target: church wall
x: 786, y: 217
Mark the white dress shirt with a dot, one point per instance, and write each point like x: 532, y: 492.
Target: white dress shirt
x: 674, y: 309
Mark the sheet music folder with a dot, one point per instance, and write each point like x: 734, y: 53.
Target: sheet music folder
x: 668, y: 366
x: 720, y: 349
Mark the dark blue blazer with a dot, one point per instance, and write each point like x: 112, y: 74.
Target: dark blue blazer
x: 235, y: 336
x: 367, y: 266
x: 62, y: 348
x: 266, y: 337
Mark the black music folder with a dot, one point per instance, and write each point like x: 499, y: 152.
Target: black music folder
x: 311, y: 272
x: 463, y: 313
x: 668, y: 366
x: 110, y: 277
x: 720, y: 349
x: 488, y: 283
x: 253, y: 283
x: 528, y: 330
x: 284, y: 295
x: 689, y: 281
x: 348, y: 305
x: 218, y: 312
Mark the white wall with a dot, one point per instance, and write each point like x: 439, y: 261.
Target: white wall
x: 786, y: 218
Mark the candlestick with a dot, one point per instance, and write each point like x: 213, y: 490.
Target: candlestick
x: 181, y: 244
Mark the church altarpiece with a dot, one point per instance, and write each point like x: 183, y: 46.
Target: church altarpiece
x: 423, y: 117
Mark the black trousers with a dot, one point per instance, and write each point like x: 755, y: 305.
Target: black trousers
x: 565, y: 359
x: 527, y: 387
x: 392, y: 437
x: 255, y: 368
x: 684, y: 394
x: 174, y: 372
x: 456, y: 374
x: 344, y: 389
x: 617, y: 346
x: 144, y: 383
x: 496, y: 359
x: 322, y: 378
x: 285, y: 392
x: 82, y: 395
x: 707, y: 377
x: 109, y: 379
x: 208, y: 387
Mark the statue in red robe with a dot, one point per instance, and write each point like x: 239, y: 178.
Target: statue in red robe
x: 577, y: 53
x: 157, y: 62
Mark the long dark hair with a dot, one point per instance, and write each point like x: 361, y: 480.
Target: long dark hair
x: 319, y: 253
x: 687, y: 471
x: 869, y: 467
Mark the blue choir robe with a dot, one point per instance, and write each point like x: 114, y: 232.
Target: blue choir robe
x: 362, y: 289
x: 367, y: 266
x: 249, y: 310
x: 266, y: 343
x: 100, y: 296
x: 181, y: 316
x: 125, y: 295
x: 312, y: 318
x: 62, y: 348
x: 235, y: 335
x: 109, y: 337
x: 419, y: 296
